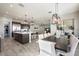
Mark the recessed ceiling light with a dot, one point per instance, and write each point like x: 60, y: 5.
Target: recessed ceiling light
x: 11, y: 5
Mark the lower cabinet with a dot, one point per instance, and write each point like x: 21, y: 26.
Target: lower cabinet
x: 22, y: 38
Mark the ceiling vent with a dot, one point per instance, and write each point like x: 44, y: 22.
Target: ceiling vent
x: 50, y: 12
x: 21, y: 5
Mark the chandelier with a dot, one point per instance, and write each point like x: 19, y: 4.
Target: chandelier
x: 25, y: 18
x: 28, y: 20
x: 55, y: 17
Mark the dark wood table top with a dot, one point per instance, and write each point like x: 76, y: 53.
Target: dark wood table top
x: 61, y: 44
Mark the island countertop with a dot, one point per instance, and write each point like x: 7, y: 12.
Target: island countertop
x: 23, y: 32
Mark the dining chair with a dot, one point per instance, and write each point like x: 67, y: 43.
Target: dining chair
x: 45, y: 35
x: 46, y: 48
x: 73, y: 45
x: 41, y: 36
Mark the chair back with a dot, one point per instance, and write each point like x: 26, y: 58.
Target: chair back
x: 45, y: 35
x: 41, y: 36
x: 46, y: 48
x: 73, y: 44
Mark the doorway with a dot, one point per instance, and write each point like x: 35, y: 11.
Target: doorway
x: 7, y: 31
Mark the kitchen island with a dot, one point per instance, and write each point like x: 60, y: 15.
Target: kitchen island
x: 22, y: 37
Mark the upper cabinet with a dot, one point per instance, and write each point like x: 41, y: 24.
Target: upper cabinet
x: 18, y: 26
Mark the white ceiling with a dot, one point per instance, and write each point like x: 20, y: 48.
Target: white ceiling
x: 39, y: 11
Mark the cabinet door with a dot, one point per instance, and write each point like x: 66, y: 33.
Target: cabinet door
x: 25, y: 38
x: 18, y: 37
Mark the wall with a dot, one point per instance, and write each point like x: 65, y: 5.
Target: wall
x: 4, y: 21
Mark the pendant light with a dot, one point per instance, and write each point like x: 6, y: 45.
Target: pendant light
x: 55, y: 17
x: 25, y: 18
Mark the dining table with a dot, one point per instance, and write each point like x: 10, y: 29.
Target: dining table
x: 61, y: 43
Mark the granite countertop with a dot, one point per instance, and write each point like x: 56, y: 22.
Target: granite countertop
x: 23, y: 32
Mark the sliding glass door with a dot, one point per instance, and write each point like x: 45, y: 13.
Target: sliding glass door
x: 69, y: 25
